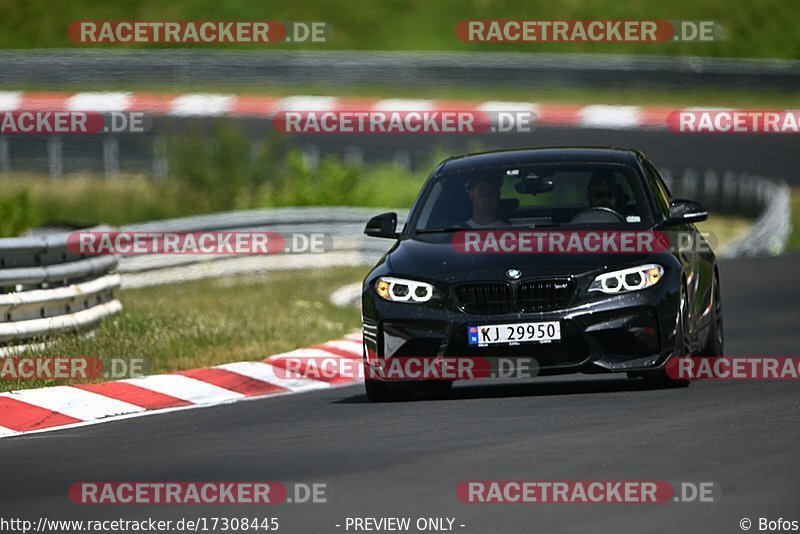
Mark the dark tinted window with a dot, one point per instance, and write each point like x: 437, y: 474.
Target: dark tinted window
x: 534, y: 195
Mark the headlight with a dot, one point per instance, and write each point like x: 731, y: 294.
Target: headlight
x: 632, y: 279
x: 400, y: 290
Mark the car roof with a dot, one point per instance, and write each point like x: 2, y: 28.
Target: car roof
x: 525, y: 156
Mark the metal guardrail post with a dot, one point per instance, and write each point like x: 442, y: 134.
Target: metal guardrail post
x: 5, y: 160
x: 110, y: 156
x: 160, y: 157
x: 55, y: 158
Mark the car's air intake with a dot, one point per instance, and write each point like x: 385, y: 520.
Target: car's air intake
x: 484, y: 297
x: 542, y: 295
x: 530, y: 296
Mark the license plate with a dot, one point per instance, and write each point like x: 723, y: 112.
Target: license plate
x: 514, y: 334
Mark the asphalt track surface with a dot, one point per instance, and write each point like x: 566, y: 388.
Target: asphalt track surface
x: 405, y: 459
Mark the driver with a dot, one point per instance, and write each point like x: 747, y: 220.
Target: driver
x: 484, y: 193
x: 603, y: 190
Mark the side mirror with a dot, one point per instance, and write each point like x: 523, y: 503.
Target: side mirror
x: 686, y: 212
x: 383, y: 225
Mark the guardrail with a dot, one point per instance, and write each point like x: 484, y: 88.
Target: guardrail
x: 46, y: 288
x: 55, y: 290
x: 767, y: 201
x: 391, y: 69
x: 345, y: 226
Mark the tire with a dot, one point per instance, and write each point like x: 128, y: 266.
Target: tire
x: 380, y: 391
x: 436, y: 386
x: 660, y: 378
x: 714, y: 342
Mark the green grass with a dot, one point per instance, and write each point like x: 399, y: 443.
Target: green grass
x: 211, y: 322
x: 753, y: 29
x: 86, y: 201
x: 271, y: 176
x: 209, y: 172
x: 793, y: 246
x: 83, y: 201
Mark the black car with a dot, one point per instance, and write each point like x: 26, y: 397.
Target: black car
x: 591, y: 310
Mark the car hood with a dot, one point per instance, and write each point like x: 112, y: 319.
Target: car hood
x: 435, y: 258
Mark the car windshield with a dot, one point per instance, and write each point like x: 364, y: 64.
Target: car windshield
x: 531, y: 196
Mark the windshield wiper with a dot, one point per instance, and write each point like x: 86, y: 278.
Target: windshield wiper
x: 542, y: 225
x: 451, y: 229
x: 447, y: 229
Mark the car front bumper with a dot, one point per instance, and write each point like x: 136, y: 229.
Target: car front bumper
x: 620, y: 333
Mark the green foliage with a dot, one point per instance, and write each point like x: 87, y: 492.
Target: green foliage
x: 767, y: 28
x: 224, y: 171
x: 16, y: 214
x: 793, y: 246
x: 209, y: 171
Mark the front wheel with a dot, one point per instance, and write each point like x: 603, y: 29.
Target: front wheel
x: 380, y: 391
x: 713, y: 345
x: 436, y: 386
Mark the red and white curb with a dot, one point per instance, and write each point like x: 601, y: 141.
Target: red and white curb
x: 213, y: 105
x: 58, y: 407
